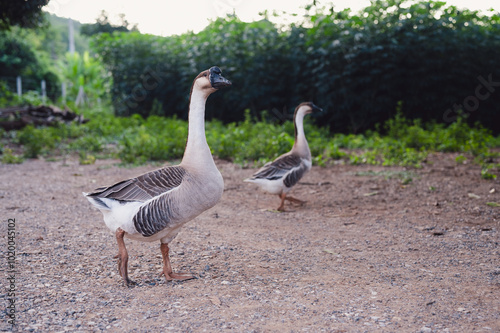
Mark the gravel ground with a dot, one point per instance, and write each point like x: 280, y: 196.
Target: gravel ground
x: 371, y: 251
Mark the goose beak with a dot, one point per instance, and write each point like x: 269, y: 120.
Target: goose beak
x: 217, y: 80
x: 316, y: 108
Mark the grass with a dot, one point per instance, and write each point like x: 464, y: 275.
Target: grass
x: 136, y: 140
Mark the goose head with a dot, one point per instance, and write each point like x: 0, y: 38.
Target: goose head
x: 307, y: 108
x: 298, y: 119
x: 210, y: 80
x: 216, y: 79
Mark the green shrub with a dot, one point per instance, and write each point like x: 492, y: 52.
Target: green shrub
x: 486, y: 174
x: 8, y: 157
x: 460, y: 159
x: 354, y: 65
x: 249, y: 140
x: 155, y: 139
x: 136, y: 140
x: 87, y: 144
x: 36, y: 141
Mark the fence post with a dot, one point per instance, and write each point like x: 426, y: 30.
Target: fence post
x: 63, y: 92
x: 44, y: 91
x: 80, y: 99
x: 19, y: 86
x: 71, y: 36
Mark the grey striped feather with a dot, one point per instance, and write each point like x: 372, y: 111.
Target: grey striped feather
x: 144, y: 187
x: 289, y: 166
x: 155, y: 216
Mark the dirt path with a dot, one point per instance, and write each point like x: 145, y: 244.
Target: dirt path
x: 371, y: 251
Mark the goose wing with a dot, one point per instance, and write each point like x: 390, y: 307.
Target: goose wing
x: 296, y: 173
x: 156, y: 215
x: 144, y: 187
x: 287, y: 166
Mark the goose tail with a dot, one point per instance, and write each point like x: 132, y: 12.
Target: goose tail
x: 96, y: 202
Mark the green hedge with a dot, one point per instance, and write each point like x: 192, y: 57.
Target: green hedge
x: 429, y: 57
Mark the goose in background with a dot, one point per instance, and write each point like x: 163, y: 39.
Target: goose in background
x: 279, y: 176
x: 155, y: 205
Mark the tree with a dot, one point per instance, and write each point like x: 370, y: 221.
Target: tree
x: 85, y: 71
x: 103, y: 25
x: 20, y: 58
x: 24, y: 13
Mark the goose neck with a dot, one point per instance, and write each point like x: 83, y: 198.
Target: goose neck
x: 300, y: 144
x: 197, y: 150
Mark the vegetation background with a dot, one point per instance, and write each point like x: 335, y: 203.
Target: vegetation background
x: 397, y: 80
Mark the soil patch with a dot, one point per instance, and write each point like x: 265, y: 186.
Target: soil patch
x: 375, y: 249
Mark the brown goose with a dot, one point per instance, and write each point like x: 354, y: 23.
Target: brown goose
x: 279, y: 176
x: 155, y: 205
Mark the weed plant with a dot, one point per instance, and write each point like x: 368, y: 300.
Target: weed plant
x: 136, y: 140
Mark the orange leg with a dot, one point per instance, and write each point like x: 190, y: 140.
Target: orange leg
x: 167, y: 267
x: 282, y: 196
x: 295, y: 200
x: 122, y: 257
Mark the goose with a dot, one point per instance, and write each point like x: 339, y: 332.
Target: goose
x: 155, y: 205
x: 279, y: 176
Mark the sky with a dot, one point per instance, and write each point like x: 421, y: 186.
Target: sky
x: 171, y: 17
